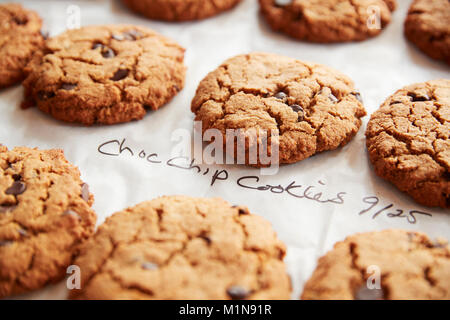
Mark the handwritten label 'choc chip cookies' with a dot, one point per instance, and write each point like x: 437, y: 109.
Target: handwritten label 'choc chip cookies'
x: 316, y: 192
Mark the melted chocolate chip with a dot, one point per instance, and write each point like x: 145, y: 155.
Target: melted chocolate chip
x: 17, y: 177
x: 242, y: 211
x: 120, y: 74
x: 281, y: 96
x: 5, y: 208
x: 20, y: 21
x: 237, y: 293
x: 118, y: 37
x: 108, y: 53
x: 68, y: 86
x: 205, y: 237
x: 282, y: 3
x: 5, y: 243
x: 42, y: 95
x: 333, y: 98
x: 23, y: 232
x: 418, y: 97
x: 132, y: 35
x: 149, y: 266
x: 16, y: 188
x: 71, y: 213
x: 299, y: 110
x: 357, y: 96
x: 365, y: 293
x: 97, y: 45
x: 85, y: 192
x: 45, y: 34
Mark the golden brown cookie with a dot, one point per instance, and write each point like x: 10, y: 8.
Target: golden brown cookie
x: 308, y: 108
x: 408, y: 141
x: 45, y: 214
x: 428, y: 27
x: 105, y: 74
x: 183, y: 248
x: 180, y: 10
x: 20, y: 38
x: 328, y: 20
x: 407, y: 264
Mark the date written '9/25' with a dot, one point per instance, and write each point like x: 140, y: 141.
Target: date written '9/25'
x: 375, y: 209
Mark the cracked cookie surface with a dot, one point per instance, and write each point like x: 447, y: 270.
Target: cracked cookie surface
x: 328, y: 21
x: 183, y: 248
x: 306, y: 108
x: 45, y: 214
x: 408, y: 141
x: 20, y: 37
x: 410, y: 265
x: 105, y: 74
x: 180, y: 10
x: 428, y: 27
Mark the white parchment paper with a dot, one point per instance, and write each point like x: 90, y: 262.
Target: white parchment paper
x: 309, y: 228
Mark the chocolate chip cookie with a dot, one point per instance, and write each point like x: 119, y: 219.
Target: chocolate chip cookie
x: 328, y: 21
x: 105, y: 74
x: 298, y: 107
x: 408, y: 141
x: 180, y: 10
x: 45, y: 214
x: 428, y: 27
x: 20, y: 37
x: 386, y: 265
x: 183, y: 248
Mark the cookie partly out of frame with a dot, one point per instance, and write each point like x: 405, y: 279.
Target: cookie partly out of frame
x: 407, y: 264
x: 20, y: 38
x: 183, y: 248
x: 408, y: 141
x: 308, y: 108
x: 327, y: 21
x: 180, y: 10
x: 45, y: 214
x: 105, y: 74
x: 428, y: 27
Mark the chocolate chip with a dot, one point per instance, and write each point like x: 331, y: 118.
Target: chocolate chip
x: 149, y: 266
x: 108, y: 53
x: 242, y: 211
x: 71, y: 213
x: 68, y: 86
x: 365, y: 293
x: 17, y: 177
x: 118, y: 37
x: 296, y: 108
x: 333, y: 98
x: 5, y: 243
x: 281, y: 96
x: 282, y: 3
x: 132, y: 35
x: 5, y: 208
x: 23, y: 232
x: 97, y: 45
x: 120, y: 74
x: 16, y: 188
x: 42, y: 95
x: 45, y: 34
x: 357, y: 96
x: 418, y: 97
x: 20, y: 21
x: 85, y: 192
x: 237, y: 293
x: 205, y: 237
